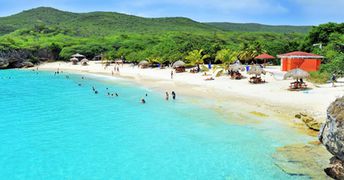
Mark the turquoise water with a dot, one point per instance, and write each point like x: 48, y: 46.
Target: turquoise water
x: 51, y: 128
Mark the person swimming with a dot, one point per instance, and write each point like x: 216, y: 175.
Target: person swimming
x: 79, y: 84
x: 167, y: 96
x: 173, y: 95
x: 95, y: 92
x: 146, y: 94
x: 143, y: 101
x: 116, y: 94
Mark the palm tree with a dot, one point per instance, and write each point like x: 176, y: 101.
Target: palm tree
x: 158, y: 60
x: 226, y: 56
x: 196, y: 57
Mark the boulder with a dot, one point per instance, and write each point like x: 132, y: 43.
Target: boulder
x: 336, y: 170
x: 332, y: 137
x: 27, y: 64
x: 4, y: 63
x: 310, y: 122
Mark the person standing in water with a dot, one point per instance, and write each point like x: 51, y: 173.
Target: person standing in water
x: 167, y: 96
x: 143, y: 101
x: 173, y: 95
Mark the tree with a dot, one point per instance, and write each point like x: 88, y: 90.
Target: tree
x: 226, y: 56
x: 196, y: 57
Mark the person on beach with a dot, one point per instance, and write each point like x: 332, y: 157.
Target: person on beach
x: 117, y: 68
x: 173, y: 95
x: 333, y: 79
x: 143, y: 101
x: 172, y: 74
x: 112, y: 73
x: 167, y: 96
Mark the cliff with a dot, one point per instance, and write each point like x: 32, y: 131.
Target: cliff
x: 332, y: 137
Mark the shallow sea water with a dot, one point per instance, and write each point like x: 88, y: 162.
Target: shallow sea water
x: 51, y: 128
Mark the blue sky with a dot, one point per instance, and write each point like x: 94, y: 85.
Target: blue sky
x: 275, y: 12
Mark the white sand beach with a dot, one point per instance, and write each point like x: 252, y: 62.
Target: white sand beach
x: 272, y: 96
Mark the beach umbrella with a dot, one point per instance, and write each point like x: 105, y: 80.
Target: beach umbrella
x: 143, y: 63
x: 236, y: 67
x: 84, y: 61
x: 74, y: 59
x: 264, y: 56
x: 77, y: 55
x: 178, y: 64
x: 296, y: 74
x: 256, y: 70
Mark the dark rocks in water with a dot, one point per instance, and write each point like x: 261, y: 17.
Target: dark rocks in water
x: 15, y: 59
x: 332, y: 137
x: 4, y: 63
x: 336, y: 171
x: 310, y: 122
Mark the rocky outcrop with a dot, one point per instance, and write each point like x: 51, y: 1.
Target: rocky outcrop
x: 310, y: 122
x: 332, y: 137
x: 14, y: 59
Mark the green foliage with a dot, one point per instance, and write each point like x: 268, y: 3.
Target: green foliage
x: 196, y: 57
x: 252, y: 27
x: 226, y: 56
x: 319, y: 77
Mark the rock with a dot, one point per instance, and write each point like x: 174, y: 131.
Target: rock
x: 298, y: 116
x: 336, y: 171
x: 4, y: 63
x: 309, y: 121
x: 332, y: 137
x: 302, y: 160
x: 27, y: 64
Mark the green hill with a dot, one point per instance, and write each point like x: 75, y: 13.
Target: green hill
x: 253, y: 27
x: 106, y: 23
x: 98, y: 23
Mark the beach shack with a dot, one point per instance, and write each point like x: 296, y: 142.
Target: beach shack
x: 303, y: 60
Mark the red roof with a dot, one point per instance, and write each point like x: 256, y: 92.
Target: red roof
x: 300, y: 54
x: 264, y: 56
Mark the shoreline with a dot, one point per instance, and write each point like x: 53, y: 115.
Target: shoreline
x: 243, y: 110
x: 272, y: 96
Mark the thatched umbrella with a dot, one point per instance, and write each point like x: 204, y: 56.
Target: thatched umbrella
x: 143, y: 63
x: 256, y: 70
x: 178, y: 64
x: 84, y: 61
x: 296, y: 74
x: 77, y: 55
x: 236, y: 67
x: 74, y: 60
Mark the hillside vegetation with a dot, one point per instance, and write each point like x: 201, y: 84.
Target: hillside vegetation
x: 253, y: 27
x: 50, y: 34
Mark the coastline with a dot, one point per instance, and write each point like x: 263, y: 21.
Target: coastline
x: 272, y: 97
x: 244, y: 110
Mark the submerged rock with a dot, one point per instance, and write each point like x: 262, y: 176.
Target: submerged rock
x: 310, y: 122
x: 332, y: 137
x: 302, y: 160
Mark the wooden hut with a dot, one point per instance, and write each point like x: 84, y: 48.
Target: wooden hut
x: 303, y: 60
